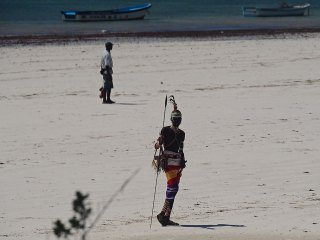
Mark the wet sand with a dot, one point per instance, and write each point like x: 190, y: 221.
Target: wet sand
x: 62, y: 38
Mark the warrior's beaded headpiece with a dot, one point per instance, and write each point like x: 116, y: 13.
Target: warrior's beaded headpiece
x: 175, y: 113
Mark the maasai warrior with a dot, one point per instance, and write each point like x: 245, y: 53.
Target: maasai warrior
x: 172, y: 162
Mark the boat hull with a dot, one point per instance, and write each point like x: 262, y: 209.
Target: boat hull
x: 131, y: 13
x: 297, y: 10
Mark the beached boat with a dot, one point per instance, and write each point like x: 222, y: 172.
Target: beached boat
x: 284, y: 10
x: 126, y: 13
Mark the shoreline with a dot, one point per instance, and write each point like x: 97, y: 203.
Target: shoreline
x: 63, y: 38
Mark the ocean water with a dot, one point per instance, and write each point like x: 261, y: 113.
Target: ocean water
x: 41, y: 17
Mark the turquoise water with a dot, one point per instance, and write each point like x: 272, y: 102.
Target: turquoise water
x: 39, y: 17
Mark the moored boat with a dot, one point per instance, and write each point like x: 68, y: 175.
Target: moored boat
x: 126, y: 13
x: 284, y: 10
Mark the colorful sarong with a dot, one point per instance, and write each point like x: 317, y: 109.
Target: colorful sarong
x: 173, y: 174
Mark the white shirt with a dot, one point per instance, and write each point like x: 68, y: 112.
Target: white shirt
x: 106, y: 60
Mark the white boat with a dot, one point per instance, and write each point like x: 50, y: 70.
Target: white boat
x: 284, y: 10
x: 126, y: 13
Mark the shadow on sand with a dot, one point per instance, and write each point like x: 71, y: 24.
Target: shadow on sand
x: 211, y: 227
x: 128, y: 104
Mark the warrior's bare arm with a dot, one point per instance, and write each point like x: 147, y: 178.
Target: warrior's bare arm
x: 181, y: 150
x: 159, y: 142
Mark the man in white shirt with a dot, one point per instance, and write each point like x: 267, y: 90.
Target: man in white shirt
x: 106, y: 71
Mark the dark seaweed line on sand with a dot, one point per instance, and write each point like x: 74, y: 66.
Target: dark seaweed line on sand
x: 43, y: 39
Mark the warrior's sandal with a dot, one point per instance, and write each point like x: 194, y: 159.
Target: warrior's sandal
x: 165, y: 221
x: 162, y: 219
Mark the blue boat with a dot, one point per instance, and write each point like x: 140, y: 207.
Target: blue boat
x: 284, y: 10
x: 126, y: 13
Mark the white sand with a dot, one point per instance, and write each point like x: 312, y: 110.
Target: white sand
x: 251, y: 116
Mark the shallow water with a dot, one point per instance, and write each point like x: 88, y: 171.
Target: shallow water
x: 43, y: 16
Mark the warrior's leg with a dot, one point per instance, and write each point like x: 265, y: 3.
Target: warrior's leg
x: 164, y: 216
x: 170, y: 196
x: 167, y: 207
x: 173, y: 175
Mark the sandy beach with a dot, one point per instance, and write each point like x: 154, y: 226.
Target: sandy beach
x: 251, y: 115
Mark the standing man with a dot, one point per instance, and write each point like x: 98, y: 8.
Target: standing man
x: 106, y: 71
x: 172, y: 162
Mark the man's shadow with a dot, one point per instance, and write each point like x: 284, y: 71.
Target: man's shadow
x: 211, y: 227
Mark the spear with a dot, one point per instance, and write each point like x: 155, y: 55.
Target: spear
x: 158, y: 165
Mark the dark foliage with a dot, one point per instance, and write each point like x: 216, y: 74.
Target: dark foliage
x: 78, y: 221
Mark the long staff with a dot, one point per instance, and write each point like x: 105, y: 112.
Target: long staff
x: 158, y: 165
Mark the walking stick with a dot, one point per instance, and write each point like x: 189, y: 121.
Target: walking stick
x: 158, y: 165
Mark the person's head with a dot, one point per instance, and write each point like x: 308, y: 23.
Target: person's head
x: 109, y: 46
x: 176, y: 118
